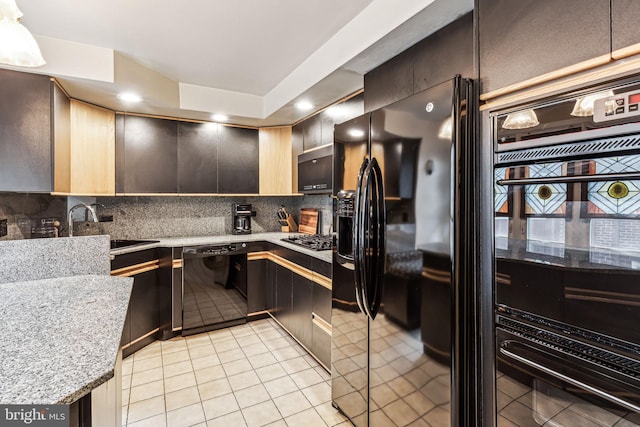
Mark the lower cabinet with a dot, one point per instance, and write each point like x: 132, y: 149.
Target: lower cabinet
x: 143, y: 319
x: 297, y: 297
x: 301, y: 310
x: 283, y: 310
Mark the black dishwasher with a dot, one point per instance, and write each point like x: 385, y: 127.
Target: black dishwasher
x: 214, y: 287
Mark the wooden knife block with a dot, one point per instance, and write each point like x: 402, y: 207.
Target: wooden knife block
x: 291, y: 226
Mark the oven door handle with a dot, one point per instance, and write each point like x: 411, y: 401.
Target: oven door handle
x: 621, y: 176
x: 572, y: 381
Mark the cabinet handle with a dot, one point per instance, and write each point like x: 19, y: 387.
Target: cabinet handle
x: 132, y: 270
x: 321, y: 323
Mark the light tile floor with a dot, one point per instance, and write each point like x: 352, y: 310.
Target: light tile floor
x: 249, y: 375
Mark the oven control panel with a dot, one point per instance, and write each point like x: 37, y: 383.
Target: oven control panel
x: 616, y: 107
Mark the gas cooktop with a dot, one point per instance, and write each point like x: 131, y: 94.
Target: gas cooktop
x: 315, y: 242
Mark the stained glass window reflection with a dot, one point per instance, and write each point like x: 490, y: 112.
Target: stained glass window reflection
x: 501, y: 192
x: 545, y: 198
x: 614, y: 197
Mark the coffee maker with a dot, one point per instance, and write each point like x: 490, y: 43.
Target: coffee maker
x: 242, y: 214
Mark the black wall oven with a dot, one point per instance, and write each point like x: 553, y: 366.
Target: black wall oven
x: 567, y: 259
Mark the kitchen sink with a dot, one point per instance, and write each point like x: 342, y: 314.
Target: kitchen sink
x: 123, y: 243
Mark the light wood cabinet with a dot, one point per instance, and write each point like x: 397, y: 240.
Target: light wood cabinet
x: 276, y: 160
x: 86, y: 165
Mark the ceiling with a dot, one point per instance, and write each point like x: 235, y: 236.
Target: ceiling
x: 250, y: 59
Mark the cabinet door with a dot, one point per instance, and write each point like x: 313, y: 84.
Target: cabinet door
x: 321, y: 346
x: 283, y: 311
x: 92, y: 151
x: 444, y: 54
x: 25, y: 132
x: 150, y: 155
x: 523, y: 39
x: 390, y: 82
x: 312, y: 132
x: 197, y: 157
x: 624, y: 24
x: 143, y: 303
x: 256, y: 285
x: 301, y: 328
x: 275, y: 160
x: 238, y: 160
x: 270, y: 287
x: 297, y: 146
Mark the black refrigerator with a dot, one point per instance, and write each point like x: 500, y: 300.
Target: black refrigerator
x: 402, y: 306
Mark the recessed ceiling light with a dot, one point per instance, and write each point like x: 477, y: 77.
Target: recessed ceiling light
x: 304, y: 105
x: 219, y: 117
x: 356, y: 133
x: 129, y: 97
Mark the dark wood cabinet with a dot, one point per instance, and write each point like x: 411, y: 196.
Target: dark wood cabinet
x: 238, y: 160
x: 302, y: 304
x: 33, y: 112
x: 146, y: 304
x: 257, y: 283
x: 321, y: 302
x: 519, y: 40
x: 312, y: 132
x: 197, y: 157
x: 390, y: 82
x: 444, y: 54
x: 624, y: 24
x: 283, y: 308
x: 143, y: 302
x: 437, y: 58
x: 321, y: 321
x: 148, y: 159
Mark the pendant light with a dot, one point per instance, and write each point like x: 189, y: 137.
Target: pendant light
x: 17, y: 45
x: 521, y: 120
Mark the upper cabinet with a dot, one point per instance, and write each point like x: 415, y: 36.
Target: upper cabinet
x: 437, y: 58
x: 275, y: 160
x: 146, y: 155
x: 526, y: 39
x: 388, y: 83
x: 312, y: 132
x: 238, y: 160
x: 86, y: 165
x: 317, y: 130
x: 625, y: 37
x: 33, y: 113
x: 162, y: 156
x: 197, y: 157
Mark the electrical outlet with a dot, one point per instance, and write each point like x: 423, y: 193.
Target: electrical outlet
x: 3, y: 227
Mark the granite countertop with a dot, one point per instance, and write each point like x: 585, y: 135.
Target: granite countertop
x: 274, y: 237
x: 60, y: 336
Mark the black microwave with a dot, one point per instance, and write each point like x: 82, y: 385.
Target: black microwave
x: 315, y: 171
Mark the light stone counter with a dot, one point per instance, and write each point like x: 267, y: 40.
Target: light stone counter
x: 60, y: 337
x: 273, y: 237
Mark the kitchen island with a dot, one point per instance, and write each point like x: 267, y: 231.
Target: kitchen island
x: 61, y: 337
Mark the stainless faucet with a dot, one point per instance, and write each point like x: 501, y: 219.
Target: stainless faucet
x: 80, y: 205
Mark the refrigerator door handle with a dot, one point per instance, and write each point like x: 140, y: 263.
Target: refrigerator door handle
x: 367, y: 230
x: 358, y: 237
x: 379, y: 251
